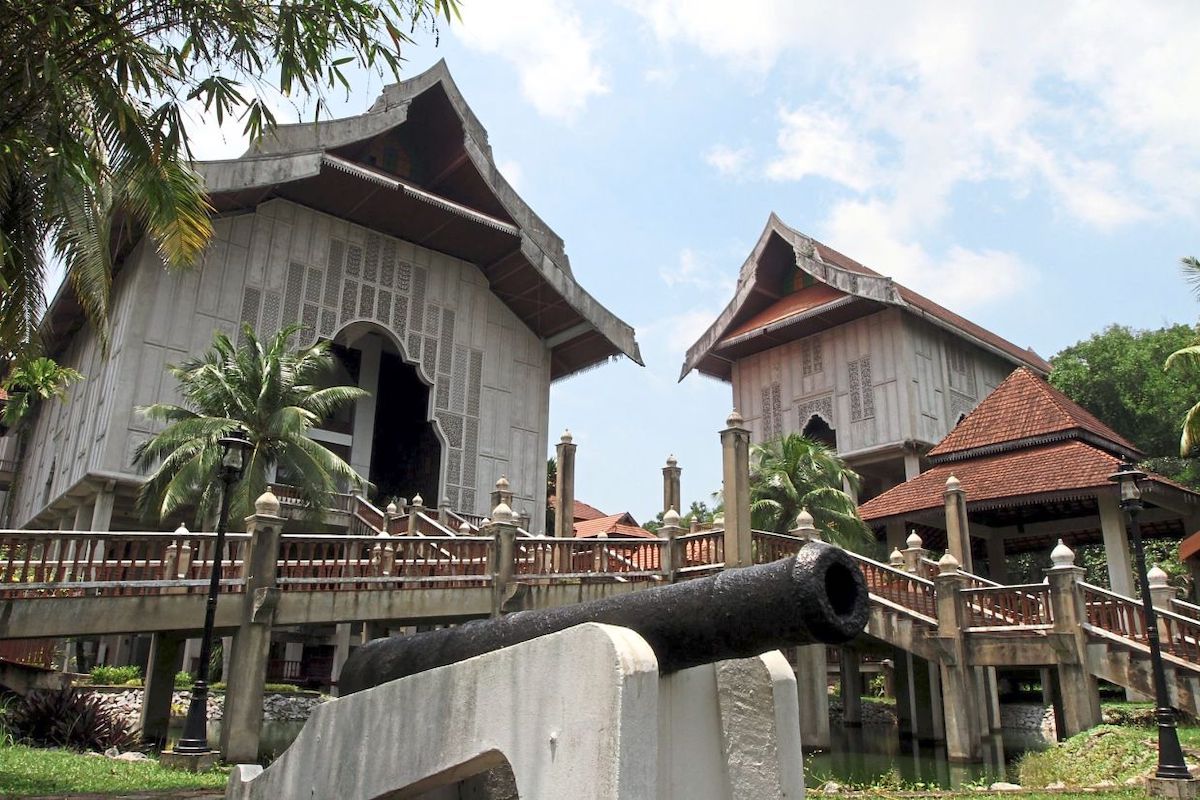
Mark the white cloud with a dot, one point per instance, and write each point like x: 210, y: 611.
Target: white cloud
x: 546, y: 43
x: 695, y: 270
x: 512, y: 172
x: 727, y: 160
x: 813, y: 142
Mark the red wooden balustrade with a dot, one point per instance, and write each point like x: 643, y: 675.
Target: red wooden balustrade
x: 767, y: 546
x: 628, y: 559
x: 905, y: 590
x: 1007, y: 606
x: 34, y: 652
x: 700, y: 553
x: 313, y: 562
x: 1178, y: 635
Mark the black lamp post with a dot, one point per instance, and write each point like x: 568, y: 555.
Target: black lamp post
x: 1170, y: 755
x: 195, y: 728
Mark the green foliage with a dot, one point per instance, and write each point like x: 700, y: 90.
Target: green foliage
x: 1104, y: 753
x: 115, y: 676
x: 274, y: 394
x: 1030, y: 567
x: 68, y: 718
x: 183, y: 680
x: 31, y: 381
x: 795, y: 473
x: 93, y: 128
x: 1118, y: 375
x: 698, y: 510
x: 34, y: 772
x: 280, y: 687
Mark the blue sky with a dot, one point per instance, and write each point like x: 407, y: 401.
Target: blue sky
x: 1035, y: 167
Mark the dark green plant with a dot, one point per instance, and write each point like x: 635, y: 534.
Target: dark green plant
x: 183, y: 680
x: 115, y: 676
x: 68, y: 718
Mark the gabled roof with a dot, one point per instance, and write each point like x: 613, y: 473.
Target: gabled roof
x: 582, y: 510
x: 762, y: 313
x: 1025, y: 410
x: 457, y: 202
x: 622, y: 524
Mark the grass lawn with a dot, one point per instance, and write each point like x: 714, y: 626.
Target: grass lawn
x: 31, y: 771
x: 1104, y: 753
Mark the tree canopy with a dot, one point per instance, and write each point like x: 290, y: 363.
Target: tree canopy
x: 1118, y: 375
x: 275, y: 394
x: 93, y: 133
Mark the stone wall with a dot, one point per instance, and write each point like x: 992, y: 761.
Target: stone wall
x: 276, y: 705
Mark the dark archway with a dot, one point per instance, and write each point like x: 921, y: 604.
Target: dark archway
x: 818, y: 430
x: 406, y: 455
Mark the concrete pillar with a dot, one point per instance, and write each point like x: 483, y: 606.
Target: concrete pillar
x: 671, y: 490
x: 371, y: 348
x: 102, y: 509
x: 241, y: 724
x: 926, y: 727
x: 1116, y: 543
x: 83, y: 516
x: 997, y: 565
x: 444, y: 511
x: 895, y: 534
x: 959, y: 700
x: 166, y: 656
x: 912, y: 464
x: 672, y: 559
x: 903, y: 692
x: 958, y: 531
x: 1080, y: 697
x: 812, y: 688
x: 937, y: 712
x: 564, y: 489
x: 851, y: 688
x: 735, y: 473
x: 503, y: 529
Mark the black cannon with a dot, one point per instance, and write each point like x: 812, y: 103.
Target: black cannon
x: 818, y: 595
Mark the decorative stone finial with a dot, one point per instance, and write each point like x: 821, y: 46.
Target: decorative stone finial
x: 391, y: 508
x: 267, y: 504
x: 418, y: 501
x: 896, y: 559
x: 445, y: 502
x: 464, y: 529
x: 1156, y: 577
x: 734, y: 420
x: 947, y: 564
x: 671, y: 518
x: 181, y: 530
x: 953, y: 484
x: 914, y: 541
x: 804, y: 525
x: 502, y: 484
x: 567, y: 438
x: 383, y: 535
x: 671, y: 462
x: 1062, y: 556
x: 483, y: 523
x: 502, y: 514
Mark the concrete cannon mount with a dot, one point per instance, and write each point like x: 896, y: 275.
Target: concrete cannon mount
x: 582, y: 714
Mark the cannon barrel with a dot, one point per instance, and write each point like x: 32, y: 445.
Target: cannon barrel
x: 817, y: 595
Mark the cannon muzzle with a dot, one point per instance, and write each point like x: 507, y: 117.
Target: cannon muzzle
x: 818, y: 595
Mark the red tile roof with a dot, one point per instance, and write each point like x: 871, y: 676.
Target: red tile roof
x: 1058, y: 467
x: 582, y: 510
x: 613, y: 525
x: 1189, y: 547
x: 790, y: 305
x: 1024, y: 406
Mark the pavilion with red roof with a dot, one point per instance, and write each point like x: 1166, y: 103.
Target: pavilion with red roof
x: 1034, y: 467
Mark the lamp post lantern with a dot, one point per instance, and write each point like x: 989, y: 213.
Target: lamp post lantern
x: 195, y: 729
x: 1170, y: 755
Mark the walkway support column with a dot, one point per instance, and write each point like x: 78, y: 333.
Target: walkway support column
x: 735, y: 473
x: 812, y: 689
x: 671, y: 491
x: 1116, y: 544
x: 564, y: 488
x: 166, y: 656
x: 958, y: 529
x: 959, y: 698
x: 1080, y: 697
x: 851, y: 687
x: 241, y: 724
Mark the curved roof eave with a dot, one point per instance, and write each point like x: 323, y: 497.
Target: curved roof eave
x: 296, y: 151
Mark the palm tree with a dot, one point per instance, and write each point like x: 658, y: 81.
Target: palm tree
x: 794, y: 473
x: 269, y: 390
x: 1187, y: 361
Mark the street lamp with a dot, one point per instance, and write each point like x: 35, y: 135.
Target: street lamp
x: 195, y: 730
x: 1170, y: 755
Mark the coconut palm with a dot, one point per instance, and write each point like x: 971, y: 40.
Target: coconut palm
x: 271, y: 391
x: 1187, y: 362
x: 30, y: 382
x: 794, y: 473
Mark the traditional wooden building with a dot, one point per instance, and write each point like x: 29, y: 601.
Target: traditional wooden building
x: 816, y: 343
x: 393, y: 235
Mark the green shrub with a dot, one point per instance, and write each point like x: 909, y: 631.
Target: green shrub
x: 183, y: 680
x: 67, y: 718
x: 281, y: 687
x: 137, y: 682
x: 115, y: 676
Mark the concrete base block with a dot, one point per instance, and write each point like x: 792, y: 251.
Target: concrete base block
x: 1173, y: 788
x: 579, y: 714
x: 188, y: 762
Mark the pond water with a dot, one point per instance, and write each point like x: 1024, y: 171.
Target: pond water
x: 874, y: 754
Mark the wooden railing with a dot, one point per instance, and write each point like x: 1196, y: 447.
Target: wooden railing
x: 627, y: 559
x: 1185, y: 609
x: 35, y: 564
x: 311, y: 562
x: 701, y: 552
x: 767, y: 546
x: 904, y: 591
x: 1008, y: 606
x: 1179, y: 636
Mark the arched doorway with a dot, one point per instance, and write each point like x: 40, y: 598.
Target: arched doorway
x: 387, y: 437
x: 818, y: 430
